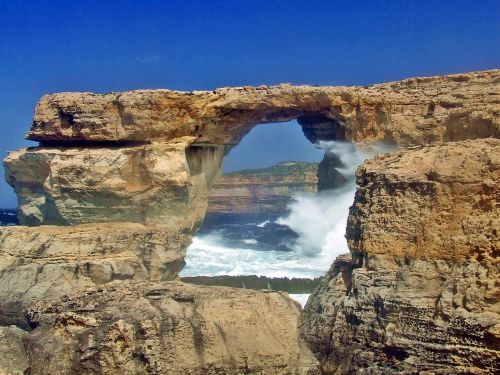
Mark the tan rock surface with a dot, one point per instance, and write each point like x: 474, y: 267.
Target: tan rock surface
x: 421, y: 293
x: 398, y: 317
x: 163, y: 184
x: 13, y: 356
x: 46, y: 262
x: 413, y: 111
x: 434, y: 202
x: 168, y: 328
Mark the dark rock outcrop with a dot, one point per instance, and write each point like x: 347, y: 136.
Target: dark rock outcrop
x: 328, y: 175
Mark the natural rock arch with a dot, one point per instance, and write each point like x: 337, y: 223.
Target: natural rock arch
x: 161, y: 149
x: 150, y: 156
x: 410, y: 112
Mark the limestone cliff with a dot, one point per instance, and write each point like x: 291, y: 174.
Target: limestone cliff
x: 46, y: 262
x: 168, y: 328
x: 421, y: 291
x: 152, y: 184
x: 264, y: 190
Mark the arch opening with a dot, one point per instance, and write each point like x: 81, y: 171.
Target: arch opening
x: 277, y: 217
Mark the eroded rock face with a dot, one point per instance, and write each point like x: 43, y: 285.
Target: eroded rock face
x: 125, y: 176
x: 439, y: 202
x: 13, y: 356
x: 168, y: 328
x: 46, y: 262
x: 413, y: 111
x: 152, y: 184
x: 405, y: 318
x: 420, y: 293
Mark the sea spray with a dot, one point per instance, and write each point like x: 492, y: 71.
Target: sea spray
x: 320, y: 220
x: 208, y: 256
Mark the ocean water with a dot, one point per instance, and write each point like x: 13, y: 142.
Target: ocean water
x: 209, y: 256
x: 304, y: 242
x: 8, y: 217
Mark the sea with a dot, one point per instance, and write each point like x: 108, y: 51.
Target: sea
x: 8, y: 216
x: 301, y: 243
x: 251, y: 244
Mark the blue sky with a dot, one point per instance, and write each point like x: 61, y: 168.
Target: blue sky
x: 102, y: 46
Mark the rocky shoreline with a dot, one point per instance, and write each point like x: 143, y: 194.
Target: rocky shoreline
x: 111, y: 198
x: 282, y: 284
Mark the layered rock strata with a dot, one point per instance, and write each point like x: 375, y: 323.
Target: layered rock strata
x: 46, y: 262
x: 264, y: 190
x: 413, y: 111
x: 152, y: 184
x: 420, y: 294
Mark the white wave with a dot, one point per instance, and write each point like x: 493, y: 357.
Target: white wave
x: 300, y: 298
x: 206, y: 257
x: 263, y: 224
x: 250, y: 241
x: 320, y: 220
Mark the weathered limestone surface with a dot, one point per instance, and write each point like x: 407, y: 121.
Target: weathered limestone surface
x: 125, y: 176
x: 106, y: 177
x: 413, y: 111
x: 421, y: 291
x: 46, y: 262
x: 439, y: 202
x: 168, y: 328
x: 13, y: 356
x: 160, y: 183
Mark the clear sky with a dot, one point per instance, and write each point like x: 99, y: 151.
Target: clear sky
x: 102, y: 46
